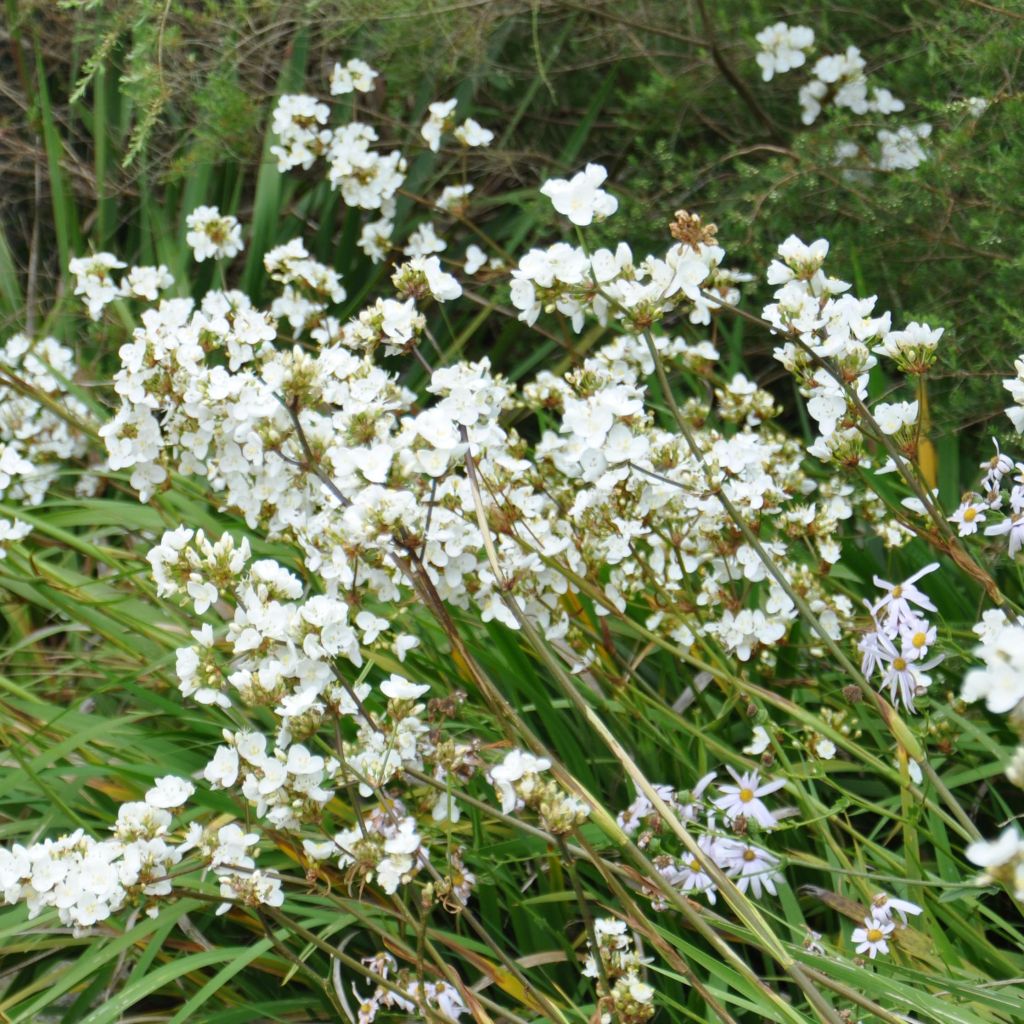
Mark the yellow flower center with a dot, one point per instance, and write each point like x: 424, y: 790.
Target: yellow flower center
x: 899, y: 664
x: 970, y: 514
x: 749, y: 855
x: 695, y: 866
x: 897, y: 591
x: 919, y: 640
x: 746, y: 795
x: 874, y: 935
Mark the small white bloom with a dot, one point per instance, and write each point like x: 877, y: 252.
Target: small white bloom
x: 871, y: 939
x: 581, y: 198
x: 169, y: 791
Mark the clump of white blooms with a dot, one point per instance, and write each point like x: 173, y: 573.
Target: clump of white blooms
x: 840, y: 80
x: 1001, y: 860
x: 517, y: 779
x: 581, y: 198
x: 728, y: 830
x: 1016, y: 389
x: 879, y: 926
x: 94, y: 281
x: 87, y: 880
x: 718, y: 536
x: 1001, y: 483
x: 898, y: 647
x: 902, y: 149
x: 213, y: 235
x: 999, y: 681
x: 623, y: 995
x: 406, y: 993
x: 37, y: 444
x: 783, y: 48
x: 354, y: 75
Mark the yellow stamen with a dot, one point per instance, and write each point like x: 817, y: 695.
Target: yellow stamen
x: 874, y: 935
x: 746, y: 795
x: 899, y: 664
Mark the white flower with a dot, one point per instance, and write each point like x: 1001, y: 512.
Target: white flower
x: 475, y: 259
x: 355, y: 75
x: 1000, y: 681
x: 212, y: 235
x: 968, y: 517
x: 438, y: 119
x: 893, y: 417
x: 424, y: 241
x: 760, y: 743
x: 883, y: 906
x: 472, y: 134
x: 871, y: 939
x: 998, y: 852
x: 824, y: 748
x: 302, y: 762
x: 94, y: 281
x: 516, y: 764
x: 745, y: 798
x: 753, y: 868
x: 397, y: 688
x: 222, y: 771
x: 12, y: 530
x: 900, y: 596
x: 169, y: 791
x: 453, y: 197
x: 581, y: 198
x: 782, y: 48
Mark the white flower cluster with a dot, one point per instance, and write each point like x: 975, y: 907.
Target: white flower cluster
x: 783, y: 48
x: 1016, y: 389
x: 441, y: 119
x: 727, y: 844
x: 1001, y: 474
x: 631, y: 998
x: 94, y: 281
x: 386, y: 497
x: 899, y: 645
x: 999, y: 680
x: 1001, y: 860
x: 86, y: 880
x: 309, y: 286
x: 913, y: 349
x: 430, y: 999
x: 213, y: 235
x: 354, y: 75
x: 518, y: 782
x: 36, y: 443
x: 833, y: 340
x: 610, y: 285
x: 873, y: 937
x: 840, y: 79
x: 366, y: 177
x: 901, y: 150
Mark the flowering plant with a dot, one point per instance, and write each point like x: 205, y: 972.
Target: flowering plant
x: 341, y: 518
